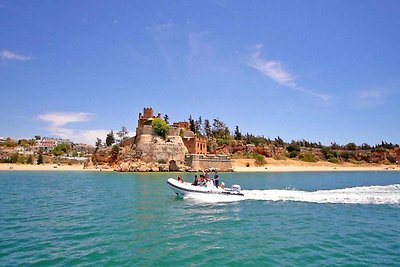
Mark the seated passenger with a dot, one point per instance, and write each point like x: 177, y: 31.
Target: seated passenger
x: 195, y: 182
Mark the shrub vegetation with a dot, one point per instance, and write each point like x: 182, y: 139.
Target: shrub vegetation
x: 160, y: 127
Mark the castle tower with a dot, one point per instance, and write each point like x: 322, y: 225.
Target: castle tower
x: 148, y: 113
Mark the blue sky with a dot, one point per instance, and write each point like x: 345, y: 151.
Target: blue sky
x: 324, y: 71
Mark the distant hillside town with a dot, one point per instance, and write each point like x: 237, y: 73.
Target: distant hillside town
x: 196, y: 145
x: 40, y: 150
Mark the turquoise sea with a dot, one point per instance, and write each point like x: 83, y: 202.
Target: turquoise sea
x: 127, y: 219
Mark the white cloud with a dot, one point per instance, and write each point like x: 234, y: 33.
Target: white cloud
x: 57, y: 120
x: 275, y: 70
x: 9, y: 55
x: 90, y: 136
x: 271, y: 68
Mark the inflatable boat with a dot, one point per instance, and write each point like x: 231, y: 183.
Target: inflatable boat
x: 181, y: 188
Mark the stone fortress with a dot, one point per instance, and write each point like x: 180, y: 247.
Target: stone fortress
x: 181, y: 150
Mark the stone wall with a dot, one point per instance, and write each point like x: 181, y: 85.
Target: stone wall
x: 153, y: 148
x: 204, y: 162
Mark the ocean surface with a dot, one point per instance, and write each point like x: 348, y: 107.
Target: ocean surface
x: 126, y: 219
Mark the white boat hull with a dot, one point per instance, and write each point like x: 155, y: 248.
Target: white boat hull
x: 183, y: 188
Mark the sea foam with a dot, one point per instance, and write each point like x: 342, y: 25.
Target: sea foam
x: 387, y: 194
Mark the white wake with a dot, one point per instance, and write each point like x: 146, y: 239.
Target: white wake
x: 388, y: 194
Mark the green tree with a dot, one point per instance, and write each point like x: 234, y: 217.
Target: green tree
x: 160, y: 127
x: 123, y: 134
x: 10, y: 142
x: 114, y: 152
x: 256, y: 140
x: 207, y: 128
x: 365, y: 146
x: 14, y: 158
x: 346, y: 155
x: 192, y: 126
x: 335, y: 146
x: 293, y: 149
x: 351, y: 146
x: 61, y: 149
x: 40, y: 159
x: 329, y: 153
x: 98, y: 144
x: 238, y: 135
x: 219, y: 129
x: 29, y: 159
x: 110, y: 139
x: 260, y: 159
x: 308, y: 157
x: 198, y: 125
x: 279, y: 142
x: 24, y: 142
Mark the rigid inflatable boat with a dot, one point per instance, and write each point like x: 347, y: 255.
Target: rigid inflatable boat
x: 181, y: 188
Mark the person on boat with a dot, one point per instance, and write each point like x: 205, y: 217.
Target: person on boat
x: 180, y: 179
x: 202, y: 180
x: 196, y: 181
x: 216, y: 179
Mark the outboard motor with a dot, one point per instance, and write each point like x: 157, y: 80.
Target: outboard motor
x: 236, y: 189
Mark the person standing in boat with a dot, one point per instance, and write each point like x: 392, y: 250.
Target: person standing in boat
x: 216, y: 179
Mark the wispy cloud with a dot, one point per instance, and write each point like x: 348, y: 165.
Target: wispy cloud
x: 9, y: 55
x: 272, y: 69
x: 58, y: 120
x: 277, y: 72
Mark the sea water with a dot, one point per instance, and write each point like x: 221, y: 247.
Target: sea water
x: 126, y: 219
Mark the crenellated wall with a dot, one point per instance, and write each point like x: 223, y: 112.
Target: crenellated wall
x: 208, y: 162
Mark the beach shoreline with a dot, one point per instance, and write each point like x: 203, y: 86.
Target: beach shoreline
x: 282, y: 166
x: 313, y: 169
x: 290, y: 165
x: 47, y: 167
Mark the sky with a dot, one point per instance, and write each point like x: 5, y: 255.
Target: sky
x: 324, y: 71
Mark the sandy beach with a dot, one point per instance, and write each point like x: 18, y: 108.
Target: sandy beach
x: 289, y: 165
x: 239, y: 165
x: 45, y: 167
x: 311, y: 169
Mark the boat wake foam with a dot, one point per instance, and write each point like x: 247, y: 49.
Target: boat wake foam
x: 388, y: 194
